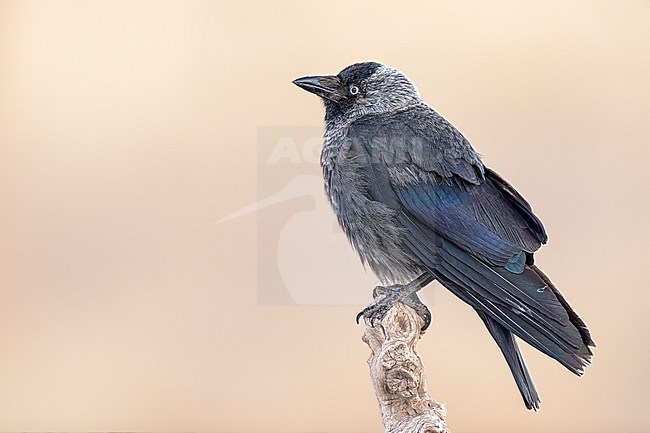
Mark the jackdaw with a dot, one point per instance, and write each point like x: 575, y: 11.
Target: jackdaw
x: 417, y: 204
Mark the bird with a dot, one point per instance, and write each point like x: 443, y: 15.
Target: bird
x: 418, y: 205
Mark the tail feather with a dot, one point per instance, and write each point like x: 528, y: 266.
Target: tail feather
x: 573, y: 316
x: 508, y: 345
x: 524, y: 311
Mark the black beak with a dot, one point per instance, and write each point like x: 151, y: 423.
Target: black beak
x: 325, y: 86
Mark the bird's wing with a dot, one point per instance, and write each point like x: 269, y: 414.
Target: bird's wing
x: 469, y: 227
x: 438, y: 179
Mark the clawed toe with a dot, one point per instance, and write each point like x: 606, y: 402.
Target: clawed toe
x: 377, y: 310
x: 414, y: 302
x: 385, y: 298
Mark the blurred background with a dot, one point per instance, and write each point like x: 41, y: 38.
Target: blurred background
x: 161, y: 219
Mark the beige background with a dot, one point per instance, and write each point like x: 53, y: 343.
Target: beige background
x: 128, y: 129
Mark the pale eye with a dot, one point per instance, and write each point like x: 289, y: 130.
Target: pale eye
x: 354, y: 90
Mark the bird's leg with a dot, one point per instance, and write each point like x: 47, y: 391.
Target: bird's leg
x: 386, y: 297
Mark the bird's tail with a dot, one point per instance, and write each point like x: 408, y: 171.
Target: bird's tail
x: 527, y: 305
x: 508, y: 345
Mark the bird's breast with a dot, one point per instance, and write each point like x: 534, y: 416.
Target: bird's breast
x: 371, y: 226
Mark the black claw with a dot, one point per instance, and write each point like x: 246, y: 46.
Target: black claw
x: 427, y: 323
x: 377, y: 309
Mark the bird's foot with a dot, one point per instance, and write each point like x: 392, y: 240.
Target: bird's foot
x: 386, y: 297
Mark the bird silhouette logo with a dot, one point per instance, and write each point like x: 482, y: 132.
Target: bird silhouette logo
x: 303, y: 256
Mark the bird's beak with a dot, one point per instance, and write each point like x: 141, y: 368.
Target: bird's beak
x: 325, y: 86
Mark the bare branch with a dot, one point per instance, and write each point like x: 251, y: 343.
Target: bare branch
x: 398, y: 374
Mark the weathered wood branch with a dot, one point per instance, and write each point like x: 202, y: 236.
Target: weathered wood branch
x: 398, y: 374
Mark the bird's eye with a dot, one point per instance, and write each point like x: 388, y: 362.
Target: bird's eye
x: 354, y: 90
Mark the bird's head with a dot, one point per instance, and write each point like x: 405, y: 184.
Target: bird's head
x: 360, y: 89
